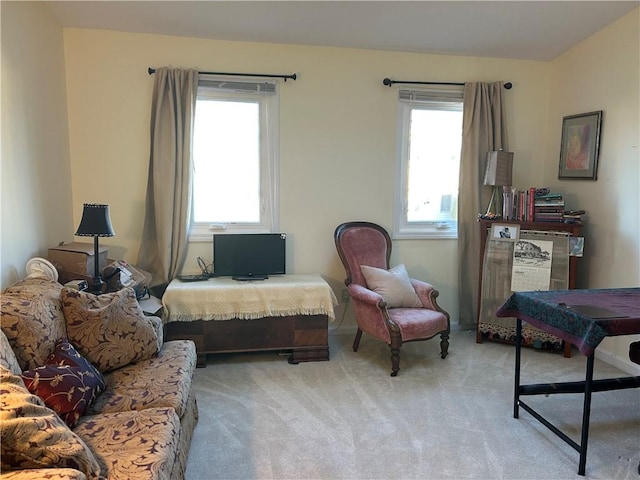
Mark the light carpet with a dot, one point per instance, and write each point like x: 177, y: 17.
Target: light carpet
x: 261, y: 418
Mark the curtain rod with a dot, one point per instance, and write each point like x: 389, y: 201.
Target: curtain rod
x: 388, y: 82
x: 152, y: 70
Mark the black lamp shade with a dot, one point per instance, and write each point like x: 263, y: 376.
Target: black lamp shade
x: 95, y: 222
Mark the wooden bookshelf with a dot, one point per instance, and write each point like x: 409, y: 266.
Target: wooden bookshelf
x: 485, y: 226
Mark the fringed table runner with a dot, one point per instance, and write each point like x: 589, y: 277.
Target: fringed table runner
x: 583, y: 317
x: 225, y: 298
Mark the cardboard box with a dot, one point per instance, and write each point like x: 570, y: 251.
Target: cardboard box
x: 76, y: 260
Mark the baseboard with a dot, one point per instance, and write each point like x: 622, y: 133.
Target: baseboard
x: 351, y: 329
x: 625, y: 365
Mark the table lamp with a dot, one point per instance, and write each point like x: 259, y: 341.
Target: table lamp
x: 498, y: 172
x: 95, y: 223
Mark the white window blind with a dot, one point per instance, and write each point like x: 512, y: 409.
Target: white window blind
x: 444, y: 93
x: 234, y: 85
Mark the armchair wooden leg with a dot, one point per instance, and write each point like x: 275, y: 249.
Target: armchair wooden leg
x: 444, y: 345
x: 395, y: 361
x: 356, y: 341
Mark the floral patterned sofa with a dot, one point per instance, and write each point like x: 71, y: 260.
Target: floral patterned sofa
x: 88, y: 389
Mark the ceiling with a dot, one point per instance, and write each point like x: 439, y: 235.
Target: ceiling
x: 530, y: 30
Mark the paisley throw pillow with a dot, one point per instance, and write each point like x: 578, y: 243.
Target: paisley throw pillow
x: 33, y: 436
x: 110, y: 330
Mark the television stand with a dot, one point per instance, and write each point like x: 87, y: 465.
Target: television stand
x: 247, y: 278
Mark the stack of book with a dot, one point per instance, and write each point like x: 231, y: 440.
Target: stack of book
x: 573, y: 216
x: 518, y: 204
x: 537, y: 204
x: 548, y: 207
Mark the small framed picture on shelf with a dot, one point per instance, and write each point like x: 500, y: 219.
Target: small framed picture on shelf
x: 505, y: 233
x: 576, y: 246
x: 580, y: 146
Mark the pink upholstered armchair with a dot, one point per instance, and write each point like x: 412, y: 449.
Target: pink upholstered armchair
x: 387, y: 318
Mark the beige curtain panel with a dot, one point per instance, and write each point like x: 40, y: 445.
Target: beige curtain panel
x: 484, y: 129
x: 168, y: 202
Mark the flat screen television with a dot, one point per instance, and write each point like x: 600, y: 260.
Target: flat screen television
x: 249, y: 256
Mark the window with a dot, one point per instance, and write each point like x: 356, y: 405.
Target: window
x: 234, y: 158
x: 428, y: 165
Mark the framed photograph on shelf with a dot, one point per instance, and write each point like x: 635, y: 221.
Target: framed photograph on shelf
x: 576, y: 246
x: 505, y: 233
x: 580, y: 146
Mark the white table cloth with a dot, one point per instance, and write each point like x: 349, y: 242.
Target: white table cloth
x: 224, y: 298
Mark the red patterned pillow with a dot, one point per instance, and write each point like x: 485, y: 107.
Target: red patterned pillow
x: 67, y: 384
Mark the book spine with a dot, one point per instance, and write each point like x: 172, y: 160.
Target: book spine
x: 558, y: 203
x: 548, y: 210
x: 511, y: 202
x: 550, y: 220
x: 532, y: 201
x: 550, y: 196
x: 549, y: 214
x: 506, y: 190
x: 549, y: 217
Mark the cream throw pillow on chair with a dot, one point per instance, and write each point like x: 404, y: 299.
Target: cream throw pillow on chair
x: 394, y: 285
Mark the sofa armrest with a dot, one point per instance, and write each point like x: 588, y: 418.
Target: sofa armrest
x: 159, y: 327
x: 48, y: 473
x: 428, y: 296
x: 424, y: 291
x: 363, y: 294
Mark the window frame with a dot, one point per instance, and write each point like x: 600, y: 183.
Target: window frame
x: 436, y: 98
x: 269, y: 155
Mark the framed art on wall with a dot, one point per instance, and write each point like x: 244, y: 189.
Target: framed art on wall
x: 580, y: 146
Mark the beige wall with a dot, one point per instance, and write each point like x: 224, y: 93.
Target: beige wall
x: 337, y: 136
x: 36, y: 175
x: 602, y: 73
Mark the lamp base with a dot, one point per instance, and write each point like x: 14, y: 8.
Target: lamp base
x: 491, y: 201
x: 96, y: 286
x: 96, y: 282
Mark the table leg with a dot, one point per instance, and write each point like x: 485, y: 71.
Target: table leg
x: 516, y: 389
x: 586, y: 413
x: 567, y: 349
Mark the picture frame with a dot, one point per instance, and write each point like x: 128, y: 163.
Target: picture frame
x: 580, y: 146
x: 505, y: 232
x: 576, y: 246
